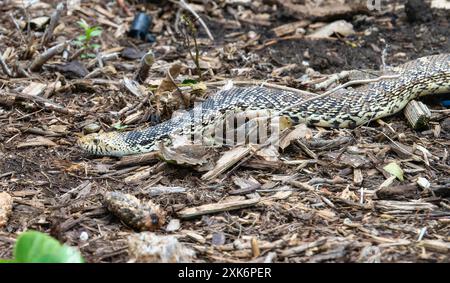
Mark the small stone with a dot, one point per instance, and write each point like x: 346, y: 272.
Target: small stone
x: 300, y: 31
x: 92, y: 128
x: 84, y: 236
x: 423, y: 183
x: 173, y: 225
x: 252, y: 35
x: 218, y: 239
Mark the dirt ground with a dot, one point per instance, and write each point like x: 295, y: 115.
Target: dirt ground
x: 319, y: 204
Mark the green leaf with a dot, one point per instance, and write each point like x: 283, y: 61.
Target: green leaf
x: 96, y: 32
x: 119, y: 126
x: 95, y: 46
x: 188, y: 82
x: 78, y: 43
x: 8, y: 261
x: 81, y: 38
x: 88, y: 55
x: 34, y: 246
x: 82, y: 23
x: 395, y: 170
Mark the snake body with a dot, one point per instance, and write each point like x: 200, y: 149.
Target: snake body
x: 344, y: 109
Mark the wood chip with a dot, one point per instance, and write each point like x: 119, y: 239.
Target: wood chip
x: 227, y: 160
x: 255, y: 247
x: 417, y: 114
x: 6, y: 202
x: 34, y: 88
x: 436, y: 245
x: 302, y: 248
x: 290, y: 27
x: 216, y: 207
x: 404, y: 206
x: 151, y: 248
x: 194, y: 236
x: 397, y: 192
x: 37, y: 141
x: 157, y: 191
x: 357, y: 177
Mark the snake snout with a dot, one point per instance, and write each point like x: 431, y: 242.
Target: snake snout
x: 92, y: 143
x: 110, y: 144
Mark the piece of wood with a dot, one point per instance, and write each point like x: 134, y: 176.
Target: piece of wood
x: 6, y: 205
x: 9, y: 98
x: 290, y: 27
x: 140, y: 175
x: 140, y: 159
x: 397, y: 192
x: 417, y: 114
x: 157, y: 191
x: 216, y: 207
x: 435, y: 245
x: 54, y: 19
x: 230, y: 158
x: 34, y: 88
x: 255, y: 247
x: 302, y: 248
x: 357, y: 177
x: 5, y: 67
x: 41, y: 59
x: 146, y: 63
x: 404, y: 206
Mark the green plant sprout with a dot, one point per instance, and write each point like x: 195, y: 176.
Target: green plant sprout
x: 118, y: 126
x: 37, y: 247
x: 84, y: 40
x: 191, y: 34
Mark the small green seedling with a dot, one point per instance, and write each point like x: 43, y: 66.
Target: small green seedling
x: 191, y: 33
x: 84, y: 40
x: 118, y: 126
x: 37, y: 247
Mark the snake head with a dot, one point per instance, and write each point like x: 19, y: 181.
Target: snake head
x: 104, y: 144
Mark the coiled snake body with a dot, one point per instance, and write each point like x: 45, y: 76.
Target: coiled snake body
x: 344, y: 109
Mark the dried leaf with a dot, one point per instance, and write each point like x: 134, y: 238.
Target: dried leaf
x: 300, y: 132
x: 191, y: 154
x: 395, y: 170
x: 167, y: 84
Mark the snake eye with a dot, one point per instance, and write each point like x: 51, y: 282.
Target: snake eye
x: 96, y: 141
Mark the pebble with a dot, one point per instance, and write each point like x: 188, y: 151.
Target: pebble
x: 92, y: 128
x: 218, y: 239
x: 84, y: 236
x: 173, y: 225
x: 423, y: 183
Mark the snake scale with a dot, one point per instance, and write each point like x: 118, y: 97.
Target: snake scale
x: 345, y: 109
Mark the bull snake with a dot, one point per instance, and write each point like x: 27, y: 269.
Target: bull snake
x: 344, y: 109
